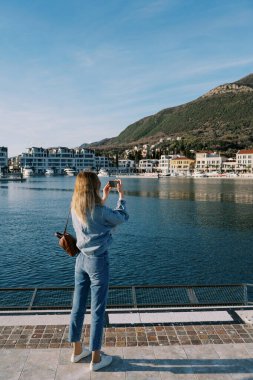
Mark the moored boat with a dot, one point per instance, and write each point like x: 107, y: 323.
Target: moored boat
x: 27, y: 171
x: 103, y: 173
x: 198, y: 175
x: 70, y: 171
x: 49, y: 171
x: 12, y: 177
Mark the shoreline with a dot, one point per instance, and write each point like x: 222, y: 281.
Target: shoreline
x: 181, y: 177
x: 141, y: 176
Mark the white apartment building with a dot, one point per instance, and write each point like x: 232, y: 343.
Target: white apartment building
x: 244, y: 160
x: 148, y: 166
x: 164, y: 164
x: 40, y: 159
x: 102, y: 162
x: 229, y: 165
x: 208, y: 161
x: 3, y: 158
x: 126, y: 166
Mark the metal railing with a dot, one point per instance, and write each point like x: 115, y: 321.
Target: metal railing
x: 137, y: 296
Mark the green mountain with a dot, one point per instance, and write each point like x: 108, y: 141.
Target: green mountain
x: 223, y: 117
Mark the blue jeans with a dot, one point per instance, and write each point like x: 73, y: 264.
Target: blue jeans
x: 91, y: 272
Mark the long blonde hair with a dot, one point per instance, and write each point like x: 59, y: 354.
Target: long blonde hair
x: 86, y: 195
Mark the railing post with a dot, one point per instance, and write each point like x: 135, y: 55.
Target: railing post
x: 245, y: 294
x: 192, y: 296
x: 32, y: 299
x: 134, y: 297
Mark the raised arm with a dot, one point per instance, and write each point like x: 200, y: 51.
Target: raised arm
x: 119, y: 214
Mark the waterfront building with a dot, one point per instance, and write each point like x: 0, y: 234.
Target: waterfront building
x: 181, y: 165
x: 102, y: 162
x: 244, y: 160
x: 34, y: 158
x: 3, y: 159
x: 148, y: 166
x: 207, y: 161
x: 58, y: 159
x: 164, y: 164
x: 14, y: 164
x: 229, y: 165
x: 126, y: 166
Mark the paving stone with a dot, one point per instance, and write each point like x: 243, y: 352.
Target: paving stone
x: 103, y: 375
x: 13, y: 359
x: 10, y: 374
x: 170, y: 352
x: 35, y: 336
x: 177, y: 376
x: 160, y: 363
x: 196, y: 352
x: 36, y: 373
x: 40, y: 364
x: 73, y: 371
x: 138, y: 353
x: 232, y: 351
x: 142, y: 375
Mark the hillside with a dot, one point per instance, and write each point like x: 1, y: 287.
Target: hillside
x: 223, y: 115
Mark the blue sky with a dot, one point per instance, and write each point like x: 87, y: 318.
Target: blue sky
x: 75, y: 71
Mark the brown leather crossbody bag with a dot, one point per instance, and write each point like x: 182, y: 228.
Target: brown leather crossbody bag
x: 67, y: 241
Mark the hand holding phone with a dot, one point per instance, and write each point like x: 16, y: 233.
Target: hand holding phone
x: 113, y: 183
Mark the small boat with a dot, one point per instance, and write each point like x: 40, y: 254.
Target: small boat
x: 70, y: 171
x: 103, y: 173
x: 27, y: 172
x: 12, y: 177
x: 148, y: 175
x: 199, y: 175
x: 49, y: 171
x: 213, y: 174
x: 232, y: 175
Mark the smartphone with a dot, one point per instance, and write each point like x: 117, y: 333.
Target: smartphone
x: 59, y: 235
x: 113, y: 183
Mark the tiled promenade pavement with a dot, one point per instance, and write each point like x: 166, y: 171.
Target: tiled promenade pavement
x: 208, y: 362
x: 150, y: 335
x: 218, y: 351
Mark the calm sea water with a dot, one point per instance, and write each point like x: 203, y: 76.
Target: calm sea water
x: 180, y: 231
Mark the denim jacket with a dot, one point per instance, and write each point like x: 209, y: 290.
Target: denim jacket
x: 95, y: 236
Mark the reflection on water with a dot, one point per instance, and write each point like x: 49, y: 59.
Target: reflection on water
x: 205, y: 190
x: 199, y: 189
x: 180, y: 231
x: 201, y: 196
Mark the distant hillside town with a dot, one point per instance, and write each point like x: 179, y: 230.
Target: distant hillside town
x: 63, y: 160
x: 219, y: 120
x: 209, y: 135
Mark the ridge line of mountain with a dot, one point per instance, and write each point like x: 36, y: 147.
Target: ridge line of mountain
x: 222, y: 116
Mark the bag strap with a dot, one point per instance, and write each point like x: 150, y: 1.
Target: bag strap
x: 66, y: 225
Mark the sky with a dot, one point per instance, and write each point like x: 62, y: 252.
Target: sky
x: 78, y: 71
